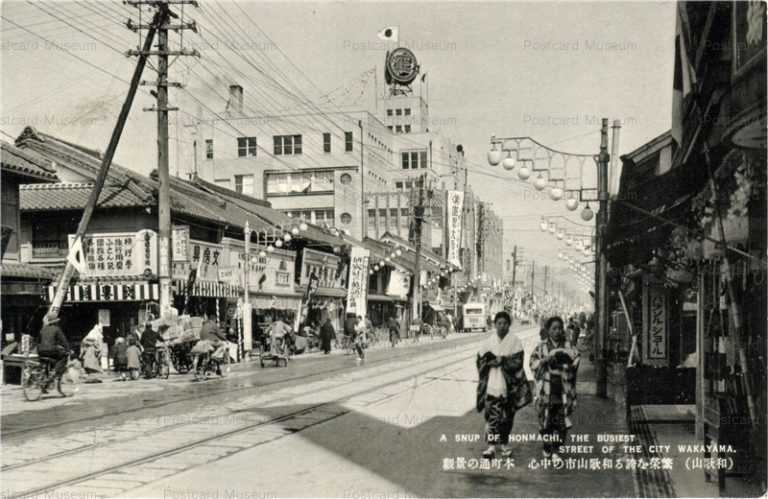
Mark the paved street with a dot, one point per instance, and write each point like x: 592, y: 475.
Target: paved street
x: 322, y: 425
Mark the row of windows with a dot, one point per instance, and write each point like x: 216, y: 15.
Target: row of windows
x: 299, y: 182
x: 282, y: 145
x: 399, y: 112
x: 243, y: 184
x: 400, y: 128
x: 408, y: 185
x: 317, y: 217
x: 413, y: 160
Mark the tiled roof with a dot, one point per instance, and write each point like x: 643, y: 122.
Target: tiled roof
x: 26, y: 271
x: 70, y: 196
x: 16, y: 161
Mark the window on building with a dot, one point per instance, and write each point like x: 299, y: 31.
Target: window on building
x: 246, y: 146
x: 423, y: 159
x: 407, y: 128
x: 371, y: 218
x: 299, y: 182
x: 409, y: 185
x: 390, y: 128
x: 407, y: 111
x: 389, y: 112
x: 399, y: 186
x: 244, y: 184
x: 326, y: 142
x: 383, y: 215
x: 399, y: 112
x: 414, y: 160
x: 348, y: 141
x: 324, y: 216
x: 405, y: 160
x: 398, y: 129
x: 287, y: 144
x: 208, y: 148
x: 346, y: 218
x: 393, y: 218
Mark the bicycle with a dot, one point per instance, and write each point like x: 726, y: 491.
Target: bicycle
x: 162, y: 367
x: 37, y: 378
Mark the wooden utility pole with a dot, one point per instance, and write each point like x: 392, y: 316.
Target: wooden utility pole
x: 533, y: 277
x: 418, y: 213
x: 514, y: 267
x: 164, y: 14
x: 106, y: 162
x: 601, y: 269
x: 546, y: 277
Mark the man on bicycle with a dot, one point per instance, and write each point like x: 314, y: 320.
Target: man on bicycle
x: 149, y: 339
x: 53, y: 344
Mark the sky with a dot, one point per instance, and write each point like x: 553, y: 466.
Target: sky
x: 549, y: 70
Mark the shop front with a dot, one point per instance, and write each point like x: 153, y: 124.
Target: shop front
x: 326, y: 276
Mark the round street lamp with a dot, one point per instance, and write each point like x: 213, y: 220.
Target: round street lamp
x: 262, y: 253
x: 287, y: 237
x: 556, y: 193
x: 552, y: 228
x: 524, y: 172
x: 571, y: 204
x: 295, y: 231
x: 270, y: 249
x: 303, y: 226
x: 561, y: 234
x: 494, y: 156
x: 543, y: 225
x: 509, y: 162
x: 279, y: 243
x: 399, y: 252
x: 540, y: 183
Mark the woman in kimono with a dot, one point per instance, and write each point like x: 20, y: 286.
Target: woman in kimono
x: 90, y: 353
x: 503, y: 388
x: 554, y: 363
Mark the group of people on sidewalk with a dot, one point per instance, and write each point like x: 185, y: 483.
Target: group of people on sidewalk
x: 503, y: 388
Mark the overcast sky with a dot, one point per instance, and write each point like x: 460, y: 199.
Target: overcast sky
x: 548, y: 70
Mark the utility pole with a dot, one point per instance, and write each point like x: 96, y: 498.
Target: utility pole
x: 533, y: 277
x: 106, y: 162
x: 601, y: 269
x: 546, y: 276
x: 164, y: 14
x: 514, y: 266
x: 418, y: 213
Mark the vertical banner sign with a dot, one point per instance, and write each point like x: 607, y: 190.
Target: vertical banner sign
x: 455, y: 209
x: 656, y: 352
x: 180, y: 243
x: 357, y: 296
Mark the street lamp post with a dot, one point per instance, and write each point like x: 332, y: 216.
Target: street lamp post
x: 556, y: 165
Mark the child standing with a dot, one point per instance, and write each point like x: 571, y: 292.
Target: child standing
x: 133, y: 354
x: 121, y: 357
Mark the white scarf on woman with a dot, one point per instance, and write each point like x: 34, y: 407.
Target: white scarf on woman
x: 510, y: 345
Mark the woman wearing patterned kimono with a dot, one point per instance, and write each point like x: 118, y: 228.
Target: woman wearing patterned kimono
x: 503, y: 388
x: 554, y: 363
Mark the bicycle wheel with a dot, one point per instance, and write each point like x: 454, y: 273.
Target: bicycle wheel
x: 165, y: 369
x: 66, y: 385
x: 32, y: 380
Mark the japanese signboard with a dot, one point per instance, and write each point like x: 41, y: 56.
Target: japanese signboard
x: 271, y: 273
x: 655, y: 351
x: 399, y: 283
x: 119, y: 254
x: 327, y: 268
x: 206, y: 257
x: 455, y: 208
x: 357, y: 295
x: 180, y: 243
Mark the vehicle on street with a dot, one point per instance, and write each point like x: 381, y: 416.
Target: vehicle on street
x: 474, y: 317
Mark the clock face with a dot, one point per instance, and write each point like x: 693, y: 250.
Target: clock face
x: 402, y: 65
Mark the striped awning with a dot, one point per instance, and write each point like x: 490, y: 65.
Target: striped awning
x: 111, y: 292
x: 208, y: 289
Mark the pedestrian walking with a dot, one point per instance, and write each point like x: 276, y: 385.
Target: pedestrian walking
x: 394, y: 331
x: 90, y: 353
x: 121, y: 357
x: 503, y: 388
x: 360, y: 339
x: 133, y: 358
x: 554, y: 363
x: 327, y: 335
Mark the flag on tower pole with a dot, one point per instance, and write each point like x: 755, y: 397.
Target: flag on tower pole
x: 390, y: 33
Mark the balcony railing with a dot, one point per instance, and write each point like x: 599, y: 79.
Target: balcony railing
x: 49, y: 249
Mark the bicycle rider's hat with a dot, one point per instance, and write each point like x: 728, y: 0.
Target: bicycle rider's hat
x: 50, y: 318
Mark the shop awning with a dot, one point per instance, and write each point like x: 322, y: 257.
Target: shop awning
x: 209, y: 289
x: 386, y: 298
x: 111, y: 292
x: 632, y: 235
x: 278, y: 302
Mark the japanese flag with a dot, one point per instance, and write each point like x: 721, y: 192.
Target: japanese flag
x: 390, y: 33
x: 75, y: 256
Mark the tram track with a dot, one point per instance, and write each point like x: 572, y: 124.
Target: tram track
x: 233, y: 439
x: 12, y: 434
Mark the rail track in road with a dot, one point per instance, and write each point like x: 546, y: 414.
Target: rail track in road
x: 229, y: 388
x: 121, y: 467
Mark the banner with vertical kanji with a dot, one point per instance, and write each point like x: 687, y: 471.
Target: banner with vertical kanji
x: 454, y: 212
x: 357, y: 295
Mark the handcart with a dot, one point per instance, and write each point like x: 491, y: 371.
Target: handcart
x: 274, y: 350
